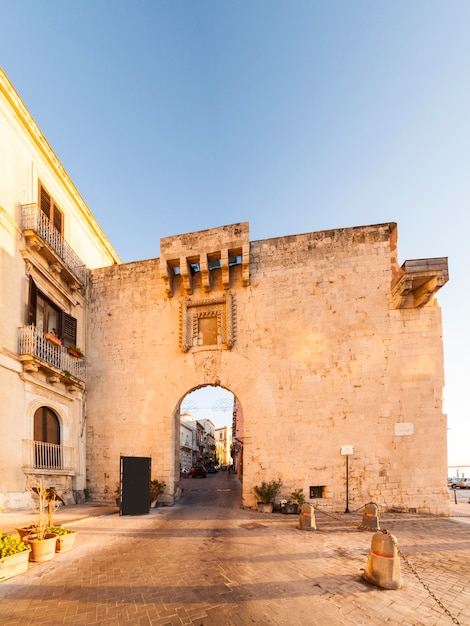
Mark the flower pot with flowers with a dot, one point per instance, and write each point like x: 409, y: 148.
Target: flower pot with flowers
x: 293, y: 505
x: 65, y: 538
x: 75, y: 351
x: 14, y: 556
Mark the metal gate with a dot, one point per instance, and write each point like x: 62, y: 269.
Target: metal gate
x: 135, y: 485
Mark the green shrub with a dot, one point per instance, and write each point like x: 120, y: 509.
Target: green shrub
x: 59, y: 530
x: 267, y: 491
x: 11, y: 544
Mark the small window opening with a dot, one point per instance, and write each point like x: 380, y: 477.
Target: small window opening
x: 316, y: 492
x: 235, y: 260
x: 215, y: 264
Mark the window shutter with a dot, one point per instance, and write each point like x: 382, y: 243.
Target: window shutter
x: 45, y: 202
x: 58, y: 219
x: 69, y: 329
x: 32, y: 303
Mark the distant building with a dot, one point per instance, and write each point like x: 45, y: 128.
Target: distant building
x: 223, y: 442
x: 188, y: 447
x: 207, y: 445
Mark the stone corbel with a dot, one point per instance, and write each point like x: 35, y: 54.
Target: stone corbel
x: 186, y: 276
x: 55, y: 268
x: 204, y: 266
x: 246, y: 264
x: 224, y: 259
x: 165, y: 275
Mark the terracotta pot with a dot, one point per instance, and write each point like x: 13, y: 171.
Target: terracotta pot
x: 23, y: 531
x: 53, y: 339
x: 41, y: 549
x: 14, y: 564
x: 65, y: 542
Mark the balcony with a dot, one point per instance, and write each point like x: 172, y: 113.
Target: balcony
x: 39, y: 455
x: 37, y: 352
x: 40, y: 234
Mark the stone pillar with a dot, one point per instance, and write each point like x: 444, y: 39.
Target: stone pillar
x: 383, y: 564
x: 307, y: 518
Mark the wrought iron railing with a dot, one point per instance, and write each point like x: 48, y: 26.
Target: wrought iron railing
x: 34, y: 219
x: 47, y: 456
x: 33, y: 342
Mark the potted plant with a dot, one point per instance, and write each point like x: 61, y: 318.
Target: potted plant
x: 266, y: 494
x: 23, y: 531
x: 75, y: 351
x: 157, y: 487
x: 65, y: 538
x: 293, y: 505
x: 117, y: 493
x: 53, y: 338
x: 41, y: 540
x: 288, y: 507
x: 14, y: 556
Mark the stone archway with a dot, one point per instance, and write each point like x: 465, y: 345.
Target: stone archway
x: 248, y: 385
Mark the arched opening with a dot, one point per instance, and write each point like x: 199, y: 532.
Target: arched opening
x: 211, y: 423
x: 47, y: 450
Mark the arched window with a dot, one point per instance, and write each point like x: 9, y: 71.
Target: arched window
x: 47, y: 451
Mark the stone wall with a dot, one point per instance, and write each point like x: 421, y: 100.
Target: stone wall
x: 310, y: 343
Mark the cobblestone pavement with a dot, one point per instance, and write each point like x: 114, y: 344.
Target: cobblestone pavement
x: 207, y: 562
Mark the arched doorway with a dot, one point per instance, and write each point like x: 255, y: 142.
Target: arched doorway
x: 47, y: 450
x: 210, y: 424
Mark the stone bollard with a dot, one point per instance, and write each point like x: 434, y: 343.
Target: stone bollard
x: 370, y: 519
x: 383, y: 564
x: 307, y: 518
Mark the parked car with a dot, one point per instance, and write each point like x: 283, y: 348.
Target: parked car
x: 452, y: 482
x: 198, y: 470
x: 211, y: 470
x: 463, y: 483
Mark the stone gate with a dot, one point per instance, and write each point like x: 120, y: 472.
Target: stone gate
x: 327, y: 343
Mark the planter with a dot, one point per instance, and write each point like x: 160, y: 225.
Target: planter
x: 66, y: 542
x: 73, y: 352
x: 290, y: 509
x: 42, y: 549
x: 265, y: 507
x: 14, y: 564
x: 23, y: 531
x: 53, y: 339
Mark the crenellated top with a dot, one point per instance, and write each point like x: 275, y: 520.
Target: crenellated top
x: 191, y: 259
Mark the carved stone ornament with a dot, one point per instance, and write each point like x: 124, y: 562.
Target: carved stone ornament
x: 208, y: 323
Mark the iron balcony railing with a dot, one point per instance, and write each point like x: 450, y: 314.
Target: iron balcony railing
x: 33, y: 342
x: 47, y: 456
x: 34, y: 219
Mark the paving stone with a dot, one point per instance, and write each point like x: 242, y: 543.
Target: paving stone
x: 207, y: 562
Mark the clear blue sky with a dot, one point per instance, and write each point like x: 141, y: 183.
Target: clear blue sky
x: 297, y: 116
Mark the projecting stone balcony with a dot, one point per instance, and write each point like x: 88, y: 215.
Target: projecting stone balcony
x: 47, y: 240
x: 39, y: 455
x: 38, y: 351
x: 418, y: 281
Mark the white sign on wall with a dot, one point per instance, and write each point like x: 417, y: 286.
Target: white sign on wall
x: 347, y: 450
x: 404, y: 428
